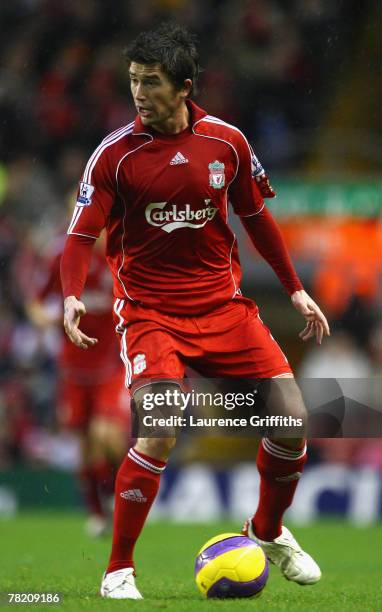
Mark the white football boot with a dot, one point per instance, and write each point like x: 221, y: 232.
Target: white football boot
x: 287, y: 554
x: 120, y: 585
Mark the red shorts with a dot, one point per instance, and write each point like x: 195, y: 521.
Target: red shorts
x: 80, y: 404
x: 230, y: 341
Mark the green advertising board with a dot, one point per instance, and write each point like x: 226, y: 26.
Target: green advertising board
x: 308, y: 198
x: 23, y: 488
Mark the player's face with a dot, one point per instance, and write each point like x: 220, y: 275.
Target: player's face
x: 157, y: 101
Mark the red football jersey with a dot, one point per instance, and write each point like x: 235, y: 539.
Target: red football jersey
x: 164, y: 203
x: 102, y: 360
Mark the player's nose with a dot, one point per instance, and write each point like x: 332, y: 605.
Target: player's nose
x: 140, y: 94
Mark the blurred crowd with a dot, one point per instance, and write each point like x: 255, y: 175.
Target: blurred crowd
x: 63, y: 83
x: 267, y: 67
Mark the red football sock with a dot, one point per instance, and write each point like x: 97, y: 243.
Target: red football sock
x: 90, y: 492
x: 105, y: 474
x: 280, y: 468
x: 136, y: 487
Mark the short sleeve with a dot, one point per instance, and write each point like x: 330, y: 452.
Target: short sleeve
x: 95, y: 196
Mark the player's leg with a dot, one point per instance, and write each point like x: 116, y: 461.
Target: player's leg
x: 74, y: 408
x: 280, y: 458
x: 104, y: 472
x: 109, y: 434
x: 247, y: 349
x: 280, y: 461
x: 151, y: 352
x: 111, y: 419
x: 96, y: 524
x: 136, y: 488
x: 109, y: 443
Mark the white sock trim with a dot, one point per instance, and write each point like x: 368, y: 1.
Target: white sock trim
x: 282, y: 453
x: 134, y: 456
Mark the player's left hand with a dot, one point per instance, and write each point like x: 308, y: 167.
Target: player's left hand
x: 316, y: 322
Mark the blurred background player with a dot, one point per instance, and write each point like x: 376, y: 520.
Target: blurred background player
x: 91, y: 398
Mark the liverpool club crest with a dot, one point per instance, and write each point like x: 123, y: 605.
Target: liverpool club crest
x: 217, y: 176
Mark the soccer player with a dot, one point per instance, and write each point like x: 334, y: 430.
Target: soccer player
x: 91, y: 399
x: 161, y: 187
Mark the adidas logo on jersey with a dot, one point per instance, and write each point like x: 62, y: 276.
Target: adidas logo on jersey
x: 178, y: 159
x: 134, y: 495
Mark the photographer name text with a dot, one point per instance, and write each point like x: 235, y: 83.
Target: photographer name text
x: 193, y: 421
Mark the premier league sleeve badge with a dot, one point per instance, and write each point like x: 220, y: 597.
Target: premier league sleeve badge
x: 85, y: 194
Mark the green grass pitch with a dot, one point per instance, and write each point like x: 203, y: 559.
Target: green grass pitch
x: 49, y: 552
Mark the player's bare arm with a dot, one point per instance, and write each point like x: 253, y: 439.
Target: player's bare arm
x: 316, y: 322
x: 73, y: 311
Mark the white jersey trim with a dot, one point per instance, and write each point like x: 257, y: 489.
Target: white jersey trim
x: 252, y: 214
x: 109, y: 140
x: 121, y: 329
x: 85, y: 235
x: 125, y: 359
x: 221, y: 121
x: 230, y: 265
x: 118, y: 305
x: 117, y: 131
x: 76, y: 215
x: 217, y: 121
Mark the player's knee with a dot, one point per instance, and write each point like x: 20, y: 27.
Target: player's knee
x: 157, y: 448
x: 97, y: 438
x: 160, y: 394
x: 153, y: 405
x: 116, y: 443
x: 157, y: 409
x: 283, y: 396
x: 295, y: 405
x: 97, y: 429
x: 284, y: 406
x: 106, y: 441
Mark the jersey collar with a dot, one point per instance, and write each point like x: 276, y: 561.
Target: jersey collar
x: 196, y: 114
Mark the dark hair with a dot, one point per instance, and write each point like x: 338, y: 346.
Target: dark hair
x: 171, y: 46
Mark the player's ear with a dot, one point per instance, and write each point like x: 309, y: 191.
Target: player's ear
x: 186, y: 89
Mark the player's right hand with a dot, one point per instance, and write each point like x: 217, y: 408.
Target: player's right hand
x: 73, y: 311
